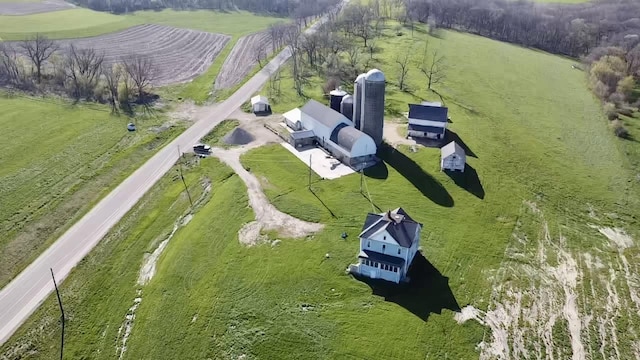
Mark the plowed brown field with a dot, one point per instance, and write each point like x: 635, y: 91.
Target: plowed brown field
x: 242, y: 59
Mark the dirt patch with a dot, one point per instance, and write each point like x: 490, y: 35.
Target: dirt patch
x: 178, y: 55
x: 267, y: 216
x: 618, y: 237
x: 26, y: 8
x: 243, y: 59
x: 238, y: 136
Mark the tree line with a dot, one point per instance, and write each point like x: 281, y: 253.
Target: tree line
x: 292, y: 8
x: 39, y: 64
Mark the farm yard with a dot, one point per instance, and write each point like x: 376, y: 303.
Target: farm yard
x: 243, y: 58
x: 533, y: 253
x: 27, y: 8
x: 178, y: 55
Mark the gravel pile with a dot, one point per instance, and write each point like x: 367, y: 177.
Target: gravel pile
x: 238, y: 136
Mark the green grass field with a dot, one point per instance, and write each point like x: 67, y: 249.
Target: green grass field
x: 83, y: 22
x: 543, y: 169
x: 57, y: 160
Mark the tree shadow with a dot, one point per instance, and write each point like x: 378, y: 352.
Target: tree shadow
x: 425, y: 183
x: 453, y: 136
x: 468, y: 180
x: 377, y: 171
x: 426, y: 293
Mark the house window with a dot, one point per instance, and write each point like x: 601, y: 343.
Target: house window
x: 398, y: 251
x: 384, y: 237
x: 395, y: 269
x: 368, y: 243
x: 383, y: 247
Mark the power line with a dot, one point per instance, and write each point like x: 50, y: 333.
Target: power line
x: 61, y: 312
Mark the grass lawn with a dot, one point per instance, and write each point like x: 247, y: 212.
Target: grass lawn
x: 543, y: 168
x: 214, y: 138
x: 57, y: 161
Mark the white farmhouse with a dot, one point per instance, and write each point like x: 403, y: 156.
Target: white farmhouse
x: 388, y: 244
x: 427, y: 121
x: 452, y: 157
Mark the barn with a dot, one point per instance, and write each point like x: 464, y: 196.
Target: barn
x: 452, y: 157
x: 427, y: 121
x: 332, y: 131
x: 260, y: 104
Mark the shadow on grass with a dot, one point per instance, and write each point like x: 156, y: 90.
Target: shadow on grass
x: 453, y: 136
x: 377, y: 171
x: 427, y: 292
x: 333, y: 215
x: 427, y: 184
x: 468, y: 180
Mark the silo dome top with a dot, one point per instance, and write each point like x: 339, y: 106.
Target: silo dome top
x: 347, y: 99
x: 375, y: 75
x: 338, y: 92
x: 360, y: 77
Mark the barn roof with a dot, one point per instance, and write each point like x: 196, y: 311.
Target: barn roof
x: 303, y: 134
x: 426, y: 128
x: 324, y: 114
x: 259, y: 99
x: 425, y: 112
x: 397, y: 223
x: 450, y: 149
x: 346, y: 136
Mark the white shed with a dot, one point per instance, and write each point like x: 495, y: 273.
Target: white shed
x: 293, y: 119
x: 452, y: 157
x: 260, y: 104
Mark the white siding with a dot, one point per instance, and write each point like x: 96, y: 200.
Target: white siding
x: 453, y: 162
x: 439, y: 124
x: 364, y: 146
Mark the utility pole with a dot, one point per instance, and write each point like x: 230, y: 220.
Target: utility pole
x: 309, y: 185
x: 186, y: 188
x: 61, y: 312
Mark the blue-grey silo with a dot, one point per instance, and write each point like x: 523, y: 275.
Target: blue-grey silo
x: 372, y: 121
x: 346, y: 107
x: 335, y: 98
x: 358, y: 88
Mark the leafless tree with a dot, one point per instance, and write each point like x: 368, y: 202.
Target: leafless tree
x: 83, y: 70
x: 353, y: 56
x: 260, y: 54
x: 10, y: 67
x: 357, y: 22
x: 38, y: 49
x: 403, y: 64
x: 434, y: 67
x: 292, y: 37
x: 112, y: 75
x: 141, y: 71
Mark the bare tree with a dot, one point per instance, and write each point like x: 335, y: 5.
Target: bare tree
x: 83, y: 70
x: 403, y: 64
x: 112, y: 75
x: 357, y: 22
x: 141, y: 71
x: 434, y: 67
x: 10, y: 64
x: 38, y: 49
x: 260, y: 54
x: 292, y: 37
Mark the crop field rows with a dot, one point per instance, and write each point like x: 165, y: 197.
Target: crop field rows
x: 26, y: 8
x: 243, y: 58
x: 178, y: 55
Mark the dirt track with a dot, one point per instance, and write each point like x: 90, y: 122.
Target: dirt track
x: 242, y: 59
x: 179, y: 55
x: 26, y: 8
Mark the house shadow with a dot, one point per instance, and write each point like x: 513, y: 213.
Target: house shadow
x: 468, y: 180
x: 377, y: 171
x: 425, y: 183
x: 426, y: 293
x: 453, y: 136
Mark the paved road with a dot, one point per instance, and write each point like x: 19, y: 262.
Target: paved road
x: 20, y: 298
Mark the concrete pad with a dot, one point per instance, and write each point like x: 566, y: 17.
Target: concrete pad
x: 324, y: 165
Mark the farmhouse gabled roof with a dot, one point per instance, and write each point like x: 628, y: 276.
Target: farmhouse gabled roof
x: 324, y: 114
x: 450, y: 149
x: 259, y: 99
x: 425, y: 112
x: 397, y: 223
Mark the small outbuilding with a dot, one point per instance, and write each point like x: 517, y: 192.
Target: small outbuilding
x: 260, y: 104
x: 426, y: 121
x: 452, y: 157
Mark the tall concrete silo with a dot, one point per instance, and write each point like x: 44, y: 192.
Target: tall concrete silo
x: 335, y: 98
x: 346, y: 107
x: 372, y: 120
x: 358, y: 88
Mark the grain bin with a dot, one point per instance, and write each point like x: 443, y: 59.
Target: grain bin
x: 335, y: 98
x: 372, y: 121
x: 358, y: 88
x: 346, y: 107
